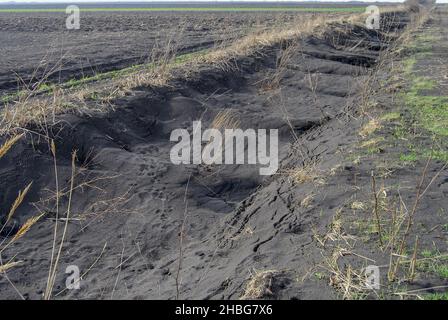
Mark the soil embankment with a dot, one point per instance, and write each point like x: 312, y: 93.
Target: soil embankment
x: 243, y: 235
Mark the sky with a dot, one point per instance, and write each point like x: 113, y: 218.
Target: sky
x: 80, y: 1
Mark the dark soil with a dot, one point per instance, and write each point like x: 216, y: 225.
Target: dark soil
x: 236, y: 222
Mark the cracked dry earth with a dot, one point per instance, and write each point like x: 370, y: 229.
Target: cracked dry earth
x: 240, y: 229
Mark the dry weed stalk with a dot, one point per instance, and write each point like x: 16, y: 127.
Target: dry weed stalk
x: 178, y: 280
x: 313, y: 82
x: 54, y: 264
x: 352, y: 283
x: 413, y: 261
x: 410, y: 220
x: 55, y: 232
x: 376, y: 209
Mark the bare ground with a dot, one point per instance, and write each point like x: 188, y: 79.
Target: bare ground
x: 296, y: 235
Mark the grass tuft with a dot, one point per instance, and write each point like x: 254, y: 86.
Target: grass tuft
x: 259, y: 285
x: 369, y: 128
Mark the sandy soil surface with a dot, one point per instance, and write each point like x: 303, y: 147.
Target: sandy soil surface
x: 143, y: 228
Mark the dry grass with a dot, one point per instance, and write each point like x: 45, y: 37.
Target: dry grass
x: 272, y: 81
x: 371, y: 142
x: 350, y: 282
x: 259, y: 285
x: 346, y: 279
x: 5, y: 267
x: 225, y: 119
x: 357, y: 205
x: 9, y: 143
x: 307, y: 173
x: 370, y: 127
x: 26, y: 227
x: 307, y: 201
x: 18, y: 201
x: 253, y: 43
x: 157, y: 74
